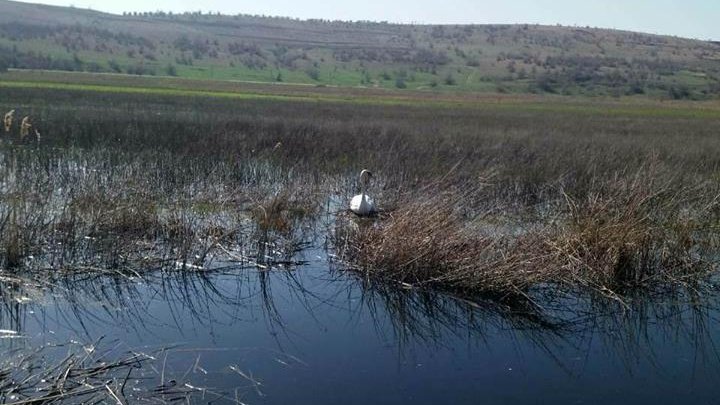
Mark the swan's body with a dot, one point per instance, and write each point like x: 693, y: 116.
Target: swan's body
x: 362, y: 204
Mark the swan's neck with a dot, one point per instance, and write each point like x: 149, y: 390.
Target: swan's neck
x: 363, y: 185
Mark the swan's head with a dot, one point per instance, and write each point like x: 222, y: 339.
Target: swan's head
x: 365, y: 175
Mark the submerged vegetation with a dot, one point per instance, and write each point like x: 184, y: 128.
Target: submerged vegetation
x: 87, y: 374
x: 115, y: 371
x: 90, y: 369
x: 475, y: 199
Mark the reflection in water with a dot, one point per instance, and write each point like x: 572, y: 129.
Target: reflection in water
x: 289, y: 325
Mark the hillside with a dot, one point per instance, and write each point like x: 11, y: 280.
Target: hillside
x: 497, y: 58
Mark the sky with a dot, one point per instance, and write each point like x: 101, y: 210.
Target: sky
x: 687, y: 18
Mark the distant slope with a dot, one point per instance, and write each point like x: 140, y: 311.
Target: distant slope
x: 504, y: 58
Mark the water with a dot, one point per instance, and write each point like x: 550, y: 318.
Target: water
x: 317, y: 335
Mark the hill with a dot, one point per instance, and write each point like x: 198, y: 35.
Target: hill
x: 497, y: 58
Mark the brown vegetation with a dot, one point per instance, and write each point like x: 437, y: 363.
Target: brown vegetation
x: 629, y: 232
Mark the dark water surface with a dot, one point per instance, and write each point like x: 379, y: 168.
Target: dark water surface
x: 319, y: 336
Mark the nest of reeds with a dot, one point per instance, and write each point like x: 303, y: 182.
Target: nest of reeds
x: 429, y: 241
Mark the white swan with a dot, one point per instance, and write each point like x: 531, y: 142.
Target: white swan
x: 362, y: 204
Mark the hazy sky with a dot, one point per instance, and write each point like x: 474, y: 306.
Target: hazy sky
x: 688, y: 18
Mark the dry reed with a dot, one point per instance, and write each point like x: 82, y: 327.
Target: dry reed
x: 631, y: 233
x: 85, y: 374
x: 8, y: 120
x: 428, y: 241
x: 25, y: 126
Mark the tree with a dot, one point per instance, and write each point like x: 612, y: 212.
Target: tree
x: 313, y: 73
x: 171, y: 70
x: 679, y: 92
x: 450, y: 80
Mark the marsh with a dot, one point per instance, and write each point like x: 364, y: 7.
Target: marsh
x: 202, y: 246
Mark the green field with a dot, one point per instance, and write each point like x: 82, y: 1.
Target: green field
x: 181, y: 87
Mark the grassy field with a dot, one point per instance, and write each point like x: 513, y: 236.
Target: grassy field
x: 182, y: 87
x: 496, y: 196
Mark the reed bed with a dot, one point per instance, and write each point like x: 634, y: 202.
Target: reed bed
x: 632, y: 232
x: 65, y: 208
x: 603, y: 200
